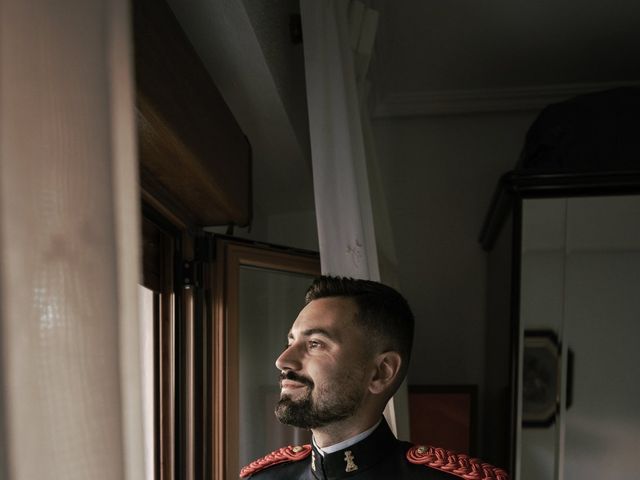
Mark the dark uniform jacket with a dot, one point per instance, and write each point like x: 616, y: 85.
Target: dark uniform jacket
x: 377, y: 457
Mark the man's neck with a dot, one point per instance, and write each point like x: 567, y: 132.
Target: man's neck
x: 341, y: 431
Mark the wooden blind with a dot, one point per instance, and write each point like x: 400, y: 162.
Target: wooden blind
x: 189, y: 141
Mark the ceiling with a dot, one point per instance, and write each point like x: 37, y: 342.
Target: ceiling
x: 246, y: 48
x: 462, y: 56
x: 432, y: 57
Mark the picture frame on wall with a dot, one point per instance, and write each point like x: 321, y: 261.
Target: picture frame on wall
x: 444, y: 416
x: 540, y: 378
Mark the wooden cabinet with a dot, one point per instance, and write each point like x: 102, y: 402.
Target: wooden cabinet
x: 563, y: 238
x: 564, y: 251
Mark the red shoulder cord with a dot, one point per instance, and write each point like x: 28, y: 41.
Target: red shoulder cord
x: 285, y: 454
x: 456, y: 464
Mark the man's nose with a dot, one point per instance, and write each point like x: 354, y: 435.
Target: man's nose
x: 289, y: 359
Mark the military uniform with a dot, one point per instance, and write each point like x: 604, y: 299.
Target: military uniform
x: 380, y: 456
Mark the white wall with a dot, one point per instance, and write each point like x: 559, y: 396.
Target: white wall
x: 293, y: 229
x: 439, y: 174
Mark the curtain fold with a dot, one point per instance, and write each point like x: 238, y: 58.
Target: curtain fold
x: 70, y: 397
x: 338, y: 40
x: 341, y: 187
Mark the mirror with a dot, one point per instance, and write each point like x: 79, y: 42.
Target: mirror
x: 580, y: 298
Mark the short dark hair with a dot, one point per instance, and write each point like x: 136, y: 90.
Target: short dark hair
x: 382, y: 311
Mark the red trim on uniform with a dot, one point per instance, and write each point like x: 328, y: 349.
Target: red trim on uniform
x: 285, y: 454
x: 456, y: 464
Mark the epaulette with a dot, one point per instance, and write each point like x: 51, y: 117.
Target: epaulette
x: 284, y: 455
x: 457, y: 464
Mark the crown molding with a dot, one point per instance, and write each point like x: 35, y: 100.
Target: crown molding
x: 459, y: 102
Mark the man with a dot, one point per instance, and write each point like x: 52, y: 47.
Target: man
x: 346, y: 355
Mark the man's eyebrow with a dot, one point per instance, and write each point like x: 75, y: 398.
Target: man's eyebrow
x: 314, y: 331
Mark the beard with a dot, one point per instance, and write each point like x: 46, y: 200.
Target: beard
x: 330, y: 405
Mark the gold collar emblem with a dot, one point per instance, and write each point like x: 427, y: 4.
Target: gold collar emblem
x: 313, y: 460
x: 351, y: 466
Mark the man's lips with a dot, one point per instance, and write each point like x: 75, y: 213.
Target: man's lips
x: 291, y: 384
x: 291, y: 380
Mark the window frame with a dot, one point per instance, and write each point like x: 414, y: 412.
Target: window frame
x: 231, y: 254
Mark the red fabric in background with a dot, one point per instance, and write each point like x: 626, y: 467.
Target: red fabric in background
x: 441, y: 419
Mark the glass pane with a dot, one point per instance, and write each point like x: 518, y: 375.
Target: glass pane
x: 602, y: 330
x: 541, y: 321
x: 269, y: 303
x: 580, y: 280
x: 148, y: 311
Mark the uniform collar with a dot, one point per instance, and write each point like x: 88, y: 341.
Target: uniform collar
x: 355, y: 458
x: 347, y: 443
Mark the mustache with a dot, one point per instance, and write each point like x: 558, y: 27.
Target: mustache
x: 289, y: 375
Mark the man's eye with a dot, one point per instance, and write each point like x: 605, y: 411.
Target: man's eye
x: 314, y: 344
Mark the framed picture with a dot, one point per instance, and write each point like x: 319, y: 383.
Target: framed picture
x: 444, y: 416
x: 540, y: 377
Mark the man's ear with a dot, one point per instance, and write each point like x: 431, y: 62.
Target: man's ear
x: 387, y: 368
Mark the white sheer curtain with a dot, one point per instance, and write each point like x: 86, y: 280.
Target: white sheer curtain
x: 343, y: 207
x: 338, y: 36
x: 70, y: 376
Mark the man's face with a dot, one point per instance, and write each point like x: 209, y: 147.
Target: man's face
x: 323, y: 368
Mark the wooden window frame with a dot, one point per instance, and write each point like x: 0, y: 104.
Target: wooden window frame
x: 174, y: 442
x: 231, y: 254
